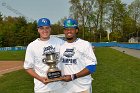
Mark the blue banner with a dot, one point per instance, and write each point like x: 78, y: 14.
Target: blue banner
x: 115, y: 44
x: 101, y: 44
x: 12, y: 48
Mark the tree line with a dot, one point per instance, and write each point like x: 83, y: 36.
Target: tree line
x: 107, y: 20
x: 99, y: 21
x: 16, y: 31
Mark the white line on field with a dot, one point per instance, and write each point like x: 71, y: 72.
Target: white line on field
x: 10, y: 69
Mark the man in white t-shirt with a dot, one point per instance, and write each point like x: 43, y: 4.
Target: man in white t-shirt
x: 77, y: 60
x: 34, y: 55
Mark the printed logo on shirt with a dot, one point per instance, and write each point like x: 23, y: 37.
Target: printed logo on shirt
x: 69, y: 53
x: 48, y: 50
x: 68, y: 61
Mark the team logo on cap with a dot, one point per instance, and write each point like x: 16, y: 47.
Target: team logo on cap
x: 44, y: 21
x: 69, y: 23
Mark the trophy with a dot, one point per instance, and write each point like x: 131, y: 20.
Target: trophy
x: 53, y: 73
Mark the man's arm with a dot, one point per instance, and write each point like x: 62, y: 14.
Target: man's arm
x: 31, y: 72
x: 86, y: 71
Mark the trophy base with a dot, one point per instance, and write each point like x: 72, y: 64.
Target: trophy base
x: 54, y: 74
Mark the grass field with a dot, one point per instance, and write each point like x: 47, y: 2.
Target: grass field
x: 116, y: 73
x: 16, y: 82
x: 12, y: 55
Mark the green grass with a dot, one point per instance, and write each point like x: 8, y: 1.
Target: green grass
x: 116, y: 73
x: 16, y: 82
x: 12, y: 55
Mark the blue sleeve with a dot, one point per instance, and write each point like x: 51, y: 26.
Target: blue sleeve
x: 91, y: 68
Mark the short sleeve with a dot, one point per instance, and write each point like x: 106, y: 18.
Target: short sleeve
x: 90, y: 58
x: 29, y: 58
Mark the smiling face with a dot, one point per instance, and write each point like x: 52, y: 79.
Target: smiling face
x: 44, y: 32
x: 70, y: 34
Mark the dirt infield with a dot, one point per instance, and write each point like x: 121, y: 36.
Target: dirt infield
x: 9, y: 66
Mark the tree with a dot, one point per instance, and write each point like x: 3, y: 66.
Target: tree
x: 117, y: 15
x: 1, y: 18
x: 1, y: 37
x: 81, y: 10
x: 134, y: 10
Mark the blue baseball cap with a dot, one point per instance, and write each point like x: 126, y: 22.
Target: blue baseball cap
x: 70, y: 23
x: 43, y: 22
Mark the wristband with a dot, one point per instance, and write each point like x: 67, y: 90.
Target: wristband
x: 73, y: 76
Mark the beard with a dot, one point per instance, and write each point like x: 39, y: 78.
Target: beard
x: 69, y: 38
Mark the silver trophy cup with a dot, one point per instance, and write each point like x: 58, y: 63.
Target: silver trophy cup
x: 51, y: 60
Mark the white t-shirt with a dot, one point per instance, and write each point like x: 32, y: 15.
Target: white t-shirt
x: 33, y: 59
x: 74, y: 58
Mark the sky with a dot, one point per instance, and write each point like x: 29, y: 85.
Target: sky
x: 35, y: 9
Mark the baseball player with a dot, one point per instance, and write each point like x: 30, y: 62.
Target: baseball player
x: 78, y: 61
x: 35, y: 53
